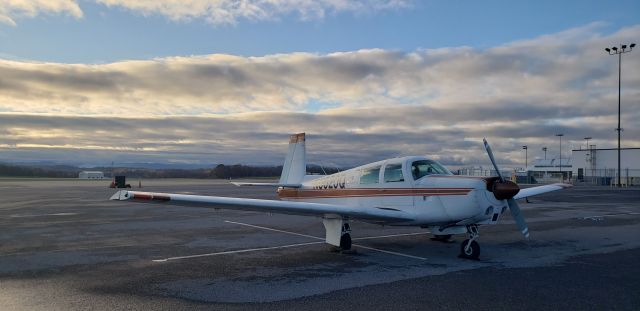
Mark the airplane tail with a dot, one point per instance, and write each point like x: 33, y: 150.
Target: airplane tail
x: 295, y: 164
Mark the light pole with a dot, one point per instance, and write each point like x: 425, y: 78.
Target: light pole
x: 545, y: 152
x: 587, y: 139
x: 588, y: 153
x: 561, y: 175
x: 525, y: 162
x: 615, y: 51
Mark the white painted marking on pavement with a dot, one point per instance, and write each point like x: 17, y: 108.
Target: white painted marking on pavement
x: 42, y: 215
x: 357, y: 245
x: 295, y: 245
x: 390, y: 252
x: 235, y: 252
x: 276, y: 230
x: 390, y: 236
x: 599, y: 217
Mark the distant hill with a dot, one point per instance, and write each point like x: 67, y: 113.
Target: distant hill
x: 9, y: 170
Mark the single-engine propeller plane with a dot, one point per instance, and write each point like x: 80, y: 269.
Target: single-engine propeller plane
x: 406, y: 191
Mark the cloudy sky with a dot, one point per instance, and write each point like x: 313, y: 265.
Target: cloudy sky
x: 204, y: 81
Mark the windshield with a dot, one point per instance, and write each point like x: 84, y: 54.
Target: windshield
x: 423, y: 168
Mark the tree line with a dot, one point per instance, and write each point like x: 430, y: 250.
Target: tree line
x: 220, y: 171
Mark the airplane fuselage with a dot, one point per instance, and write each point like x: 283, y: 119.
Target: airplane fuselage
x: 434, y: 198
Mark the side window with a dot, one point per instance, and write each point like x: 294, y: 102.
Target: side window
x: 393, y: 173
x: 370, y: 176
x: 423, y: 168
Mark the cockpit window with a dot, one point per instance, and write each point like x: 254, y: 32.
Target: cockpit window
x: 423, y: 168
x: 370, y: 176
x: 393, y: 173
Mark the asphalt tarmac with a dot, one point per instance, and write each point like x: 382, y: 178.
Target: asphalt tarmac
x: 65, y: 246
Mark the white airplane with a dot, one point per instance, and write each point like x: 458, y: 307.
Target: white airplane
x: 406, y: 191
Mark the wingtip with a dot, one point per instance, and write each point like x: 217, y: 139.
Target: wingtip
x: 120, y: 195
x: 563, y: 185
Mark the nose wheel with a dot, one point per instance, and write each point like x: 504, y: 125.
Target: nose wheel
x: 470, y: 249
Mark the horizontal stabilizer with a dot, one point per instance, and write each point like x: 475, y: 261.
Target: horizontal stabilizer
x: 266, y: 184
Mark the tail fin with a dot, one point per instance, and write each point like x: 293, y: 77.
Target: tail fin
x: 295, y: 164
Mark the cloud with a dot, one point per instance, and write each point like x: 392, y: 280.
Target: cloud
x: 230, y: 11
x: 11, y: 9
x: 216, y: 12
x: 357, y: 106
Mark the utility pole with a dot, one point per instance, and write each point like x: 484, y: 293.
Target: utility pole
x: 561, y: 174
x: 615, y: 51
x: 587, y: 139
x: 526, y: 164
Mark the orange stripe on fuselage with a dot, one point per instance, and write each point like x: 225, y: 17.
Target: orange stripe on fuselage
x: 288, y: 193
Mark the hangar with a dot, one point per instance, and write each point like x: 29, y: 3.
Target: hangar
x: 600, y: 166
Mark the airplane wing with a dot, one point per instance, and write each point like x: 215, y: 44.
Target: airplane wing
x: 527, y: 192
x: 374, y: 214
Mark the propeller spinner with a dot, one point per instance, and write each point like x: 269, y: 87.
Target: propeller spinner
x: 506, y: 190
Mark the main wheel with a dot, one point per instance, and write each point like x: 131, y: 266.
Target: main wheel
x: 345, y: 242
x: 473, y: 252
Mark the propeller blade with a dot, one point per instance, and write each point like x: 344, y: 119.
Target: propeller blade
x: 493, y: 161
x: 517, y: 216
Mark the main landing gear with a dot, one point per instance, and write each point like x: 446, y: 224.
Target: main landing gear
x: 345, y: 237
x: 343, y: 243
x: 470, y: 249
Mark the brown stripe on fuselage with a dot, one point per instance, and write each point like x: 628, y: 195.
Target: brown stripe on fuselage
x: 150, y: 196
x: 289, y: 193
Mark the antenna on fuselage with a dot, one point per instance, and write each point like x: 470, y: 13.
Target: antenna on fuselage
x: 322, y: 168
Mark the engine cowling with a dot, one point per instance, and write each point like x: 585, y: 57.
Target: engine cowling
x: 502, y: 190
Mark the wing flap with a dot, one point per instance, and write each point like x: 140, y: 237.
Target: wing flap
x: 528, y: 192
x: 282, y: 207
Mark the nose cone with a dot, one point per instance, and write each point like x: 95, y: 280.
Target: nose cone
x: 504, y: 190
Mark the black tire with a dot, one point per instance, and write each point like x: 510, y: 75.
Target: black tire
x: 345, y: 242
x: 472, y: 253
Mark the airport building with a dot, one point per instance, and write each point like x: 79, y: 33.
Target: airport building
x: 550, y: 170
x: 595, y: 166
x: 91, y: 175
x: 600, y: 166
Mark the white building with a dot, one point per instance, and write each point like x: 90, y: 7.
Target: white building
x: 550, y: 170
x: 91, y: 175
x: 601, y: 165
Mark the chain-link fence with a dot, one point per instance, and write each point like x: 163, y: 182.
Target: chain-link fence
x: 604, y: 177
x: 609, y: 176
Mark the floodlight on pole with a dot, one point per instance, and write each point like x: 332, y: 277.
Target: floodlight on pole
x: 545, y: 152
x: 561, y: 174
x: 623, y: 49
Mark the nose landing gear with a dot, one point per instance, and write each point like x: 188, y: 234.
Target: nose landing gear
x: 470, y: 249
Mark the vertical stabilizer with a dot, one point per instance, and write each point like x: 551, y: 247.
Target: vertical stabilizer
x: 295, y: 164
